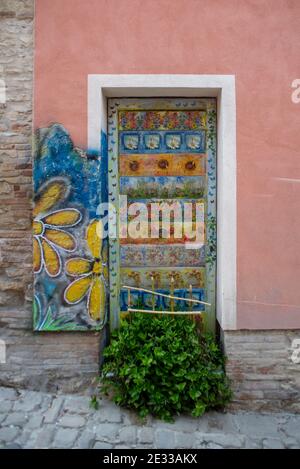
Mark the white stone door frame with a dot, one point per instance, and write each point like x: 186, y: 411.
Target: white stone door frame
x: 101, y: 87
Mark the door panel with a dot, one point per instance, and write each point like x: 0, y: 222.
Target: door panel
x: 163, y: 187
x: 162, y: 150
x: 155, y: 256
x: 162, y: 142
x: 160, y: 277
x: 168, y: 164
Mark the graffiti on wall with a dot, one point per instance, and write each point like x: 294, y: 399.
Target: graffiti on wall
x: 69, y: 258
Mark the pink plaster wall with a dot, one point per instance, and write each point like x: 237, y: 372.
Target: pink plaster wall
x: 258, y: 41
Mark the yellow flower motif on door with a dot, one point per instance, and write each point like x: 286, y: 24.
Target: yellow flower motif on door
x: 90, y: 275
x: 48, y: 233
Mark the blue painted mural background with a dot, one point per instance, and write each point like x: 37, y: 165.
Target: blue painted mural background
x: 56, y: 156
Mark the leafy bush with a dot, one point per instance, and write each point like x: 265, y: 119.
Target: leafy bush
x: 161, y: 365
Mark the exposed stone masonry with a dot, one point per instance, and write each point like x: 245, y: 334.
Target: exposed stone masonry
x: 40, y: 361
x: 261, y: 370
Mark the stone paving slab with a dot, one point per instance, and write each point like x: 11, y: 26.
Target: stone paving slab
x: 38, y: 420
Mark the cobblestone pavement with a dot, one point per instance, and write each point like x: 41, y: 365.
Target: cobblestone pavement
x: 37, y: 420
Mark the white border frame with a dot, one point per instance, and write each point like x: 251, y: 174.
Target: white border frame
x: 101, y: 87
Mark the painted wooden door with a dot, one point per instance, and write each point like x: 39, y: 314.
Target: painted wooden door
x: 162, y: 152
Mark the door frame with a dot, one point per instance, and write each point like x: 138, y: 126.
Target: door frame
x: 101, y: 87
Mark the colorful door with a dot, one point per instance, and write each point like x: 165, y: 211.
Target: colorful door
x: 162, y: 183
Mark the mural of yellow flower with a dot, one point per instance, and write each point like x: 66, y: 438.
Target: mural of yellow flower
x: 48, y: 234
x: 90, y: 280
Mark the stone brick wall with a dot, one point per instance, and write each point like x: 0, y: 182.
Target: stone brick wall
x: 262, y: 372
x: 39, y: 361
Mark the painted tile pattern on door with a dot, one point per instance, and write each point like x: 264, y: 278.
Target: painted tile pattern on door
x: 161, y: 149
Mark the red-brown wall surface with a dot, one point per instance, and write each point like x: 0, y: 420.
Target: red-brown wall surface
x: 258, y: 42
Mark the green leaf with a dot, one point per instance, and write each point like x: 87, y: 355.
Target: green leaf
x: 163, y: 366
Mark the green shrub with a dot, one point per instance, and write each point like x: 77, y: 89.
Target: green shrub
x: 161, y: 365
